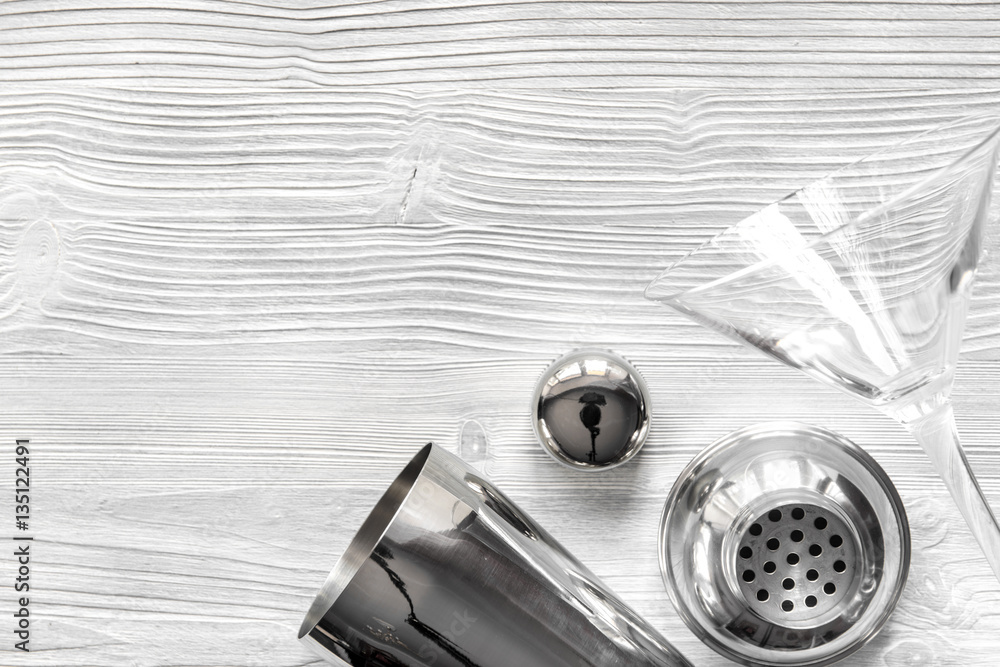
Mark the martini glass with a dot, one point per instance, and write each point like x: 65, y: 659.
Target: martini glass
x: 862, y: 280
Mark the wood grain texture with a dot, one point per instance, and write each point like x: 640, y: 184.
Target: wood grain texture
x: 227, y: 320
x: 439, y: 44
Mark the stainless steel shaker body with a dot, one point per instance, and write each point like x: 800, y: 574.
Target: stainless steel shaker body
x: 447, y: 571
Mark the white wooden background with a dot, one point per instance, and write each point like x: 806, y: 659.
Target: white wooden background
x: 252, y: 257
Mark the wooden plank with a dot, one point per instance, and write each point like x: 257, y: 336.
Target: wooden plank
x: 529, y: 43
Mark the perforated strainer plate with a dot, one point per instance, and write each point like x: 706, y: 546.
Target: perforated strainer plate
x: 784, y: 544
x: 797, y: 562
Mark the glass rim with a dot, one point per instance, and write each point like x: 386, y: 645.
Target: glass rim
x: 674, y: 297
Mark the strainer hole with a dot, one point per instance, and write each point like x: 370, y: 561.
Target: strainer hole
x: 811, y: 601
x: 756, y: 529
x: 798, y: 513
x: 746, y: 552
x: 763, y: 595
x: 770, y: 567
x: 774, y: 515
x: 815, y: 550
x: 839, y: 566
x: 749, y: 575
x: 836, y: 541
x: 773, y: 544
x: 793, y: 559
x: 812, y: 575
x: 797, y: 536
x: 788, y: 584
x: 820, y: 523
x: 788, y: 605
x: 830, y: 588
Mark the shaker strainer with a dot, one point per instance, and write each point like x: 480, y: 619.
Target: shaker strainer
x: 784, y: 544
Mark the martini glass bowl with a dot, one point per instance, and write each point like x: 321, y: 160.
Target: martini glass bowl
x: 862, y: 280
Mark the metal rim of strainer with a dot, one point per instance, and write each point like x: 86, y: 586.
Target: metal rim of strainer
x: 784, y: 544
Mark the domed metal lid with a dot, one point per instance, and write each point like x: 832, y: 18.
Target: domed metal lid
x: 591, y: 410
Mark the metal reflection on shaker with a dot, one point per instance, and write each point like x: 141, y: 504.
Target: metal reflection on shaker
x: 591, y: 410
x: 784, y: 544
x: 447, y: 571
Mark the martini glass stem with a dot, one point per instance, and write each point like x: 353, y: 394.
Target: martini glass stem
x: 937, y: 434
